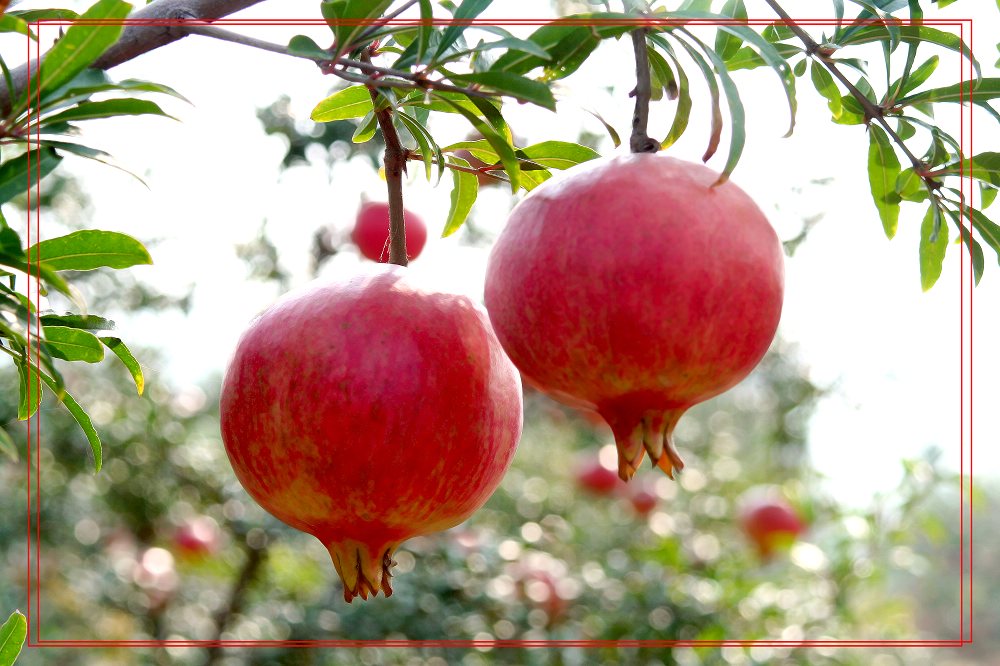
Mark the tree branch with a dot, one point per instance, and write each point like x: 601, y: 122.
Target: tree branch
x: 256, y: 553
x: 641, y: 142
x: 395, y: 165
x: 872, y: 110
x: 138, y: 39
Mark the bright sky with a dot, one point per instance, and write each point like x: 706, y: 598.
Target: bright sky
x: 853, y: 304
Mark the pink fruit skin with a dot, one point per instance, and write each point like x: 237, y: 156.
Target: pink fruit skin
x: 598, y: 479
x: 769, y: 524
x: 632, y: 287
x: 371, y: 232
x: 370, y: 411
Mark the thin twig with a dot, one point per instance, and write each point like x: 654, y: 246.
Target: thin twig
x: 641, y: 142
x: 872, y: 110
x: 395, y: 164
x: 256, y: 554
x: 488, y: 170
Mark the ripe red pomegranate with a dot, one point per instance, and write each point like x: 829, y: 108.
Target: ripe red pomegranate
x: 771, y: 524
x: 643, y: 500
x: 597, y: 479
x: 368, y: 411
x: 634, y: 287
x: 371, y: 232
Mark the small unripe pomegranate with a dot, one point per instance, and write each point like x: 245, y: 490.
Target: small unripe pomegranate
x: 643, y: 500
x: 197, y: 538
x: 368, y: 411
x: 771, y: 524
x: 636, y: 287
x: 371, y: 232
x: 598, y: 479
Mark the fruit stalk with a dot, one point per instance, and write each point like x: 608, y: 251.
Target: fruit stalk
x: 641, y: 142
x: 394, y: 161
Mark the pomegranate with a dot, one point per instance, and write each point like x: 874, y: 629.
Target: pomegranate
x: 371, y: 232
x: 368, y: 411
x: 643, y: 500
x: 636, y: 287
x: 197, y: 538
x: 597, y: 479
x: 771, y: 524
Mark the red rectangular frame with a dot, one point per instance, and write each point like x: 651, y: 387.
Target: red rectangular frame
x: 965, y: 287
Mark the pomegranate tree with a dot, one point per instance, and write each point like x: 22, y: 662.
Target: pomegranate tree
x: 371, y: 232
x: 636, y: 287
x: 369, y: 411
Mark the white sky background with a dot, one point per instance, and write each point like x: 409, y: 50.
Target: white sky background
x: 853, y: 300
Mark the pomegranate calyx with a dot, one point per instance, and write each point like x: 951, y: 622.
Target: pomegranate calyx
x: 361, y: 570
x: 652, y: 434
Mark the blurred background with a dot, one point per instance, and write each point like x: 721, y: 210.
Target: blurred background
x: 850, y: 420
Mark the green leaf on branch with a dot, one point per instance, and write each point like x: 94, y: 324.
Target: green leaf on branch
x: 933, y: 245
x: 19, y: 174
x: 73, y: 344
x: 90, y: 249
x: 916, y: 78
x: 352, y: 102
x: 468, y: 10
x: 975, y: 249
x: 827, y: 87
x: 429, y: 150
x: 683, y: 112
x: 128, y: 360
x: 108, y: 108
x: 500, y: 144
x: 513, y: 85
x: 348, y: 19
x: 662, y: 77
x: 81, y: 417
x: 713, y: 87
x: 727, y: 44
x: 82, y: 44
x: 464, y: 191
x: 950, y: 41
x: 305, y: 47
x: 87, y: 322
x: 988, y: 230
x: 883, y: 170
x: 987, y: 194
x: 984, y: 167
x: 10, y: 23
x: 559, y: 154
x: 964, y: 92
x: 910, y: 186
x: 29, y: 395
x: 12, y: 635
x: 747, y: 58
x: 512, y: 44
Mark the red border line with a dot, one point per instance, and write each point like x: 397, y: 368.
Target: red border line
x: 34, y: 592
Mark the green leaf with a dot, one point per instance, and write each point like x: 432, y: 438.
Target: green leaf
x: 11, y: 23
x: 663, y: 79
x: 988, y: 230
x: 727, y: 44
x: 425, y: 30
x: 32, y: 15
x: 513, y: 85
x: 747, y: 58
x: 883, y: 169
x: 984, y: 167
x: 305, y: 47
x: 429, y: 150
x: 910, y: 186
x: 464, y: 191
x: 916, y: 78
x: 616, y: 140
x: 73, y: 344
x: 82, y: 418
x: 352, y: 102
x: 348, y: 19
x: 88, y: 322
x: 933, y: 245
x: 959, y: 92
x: 683, y: 112
x: 559, y: 154
x: 16, y: 177
x: 827, y: 87
x: 499, y: 143
x: 513, y: 44
x: 738, y: 116
x: 988, y: 195
x: 128, y: 360
x: 12, y: 635
x: 366, y: 129
x: 92, y: 81
x: 713, y: 87
x: 950, y: 41
x: 107, y: 109
x: 82, y: 44
x: 9, y: 449
x: 29, y: 395
x: 468, y: 10
x: 89, y: 249
x: 975, y: 249
x: 88, y: 153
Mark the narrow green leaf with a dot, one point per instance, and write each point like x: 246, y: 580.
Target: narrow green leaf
x: 469, y: 9
x: 663, y: 76
x: 366, y: 129
x: 87, y: 322
x: 499, y: 143
x: 910, y: 187
x: 727, y: 44
x: 12, y: 635
x: 73, y: 344
x: 9, y: 449
x: 514, y: 44
x: 616, y: 140
x: 464, y: 191
x: 89, y: 249
x: 426, y: 28
x: 106, y: 109
x: 683, y: 111
x: 916, y: 78
x: 713, y: 87
x: 827, y: 87
x: 932, y: 247
x: 16, y: 177
x: 11, y: 23
x: 975, y: 249
x: 82, y: 44
x: 81, y: 417
x: 90, y: 154
x: 950, y: 41
x: 988, y: 230
x: 32, y: 15
x: 428, y: 148
x: 984, y: 167
x: 128, y: 360
x: 29, y: 394
x: 347, y: 19
x: 513, y: 85
x: 987, y: 194
x: 959, y: 92
x: 883, y: 169
x: 352, y: 102
x: 559, y: 154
